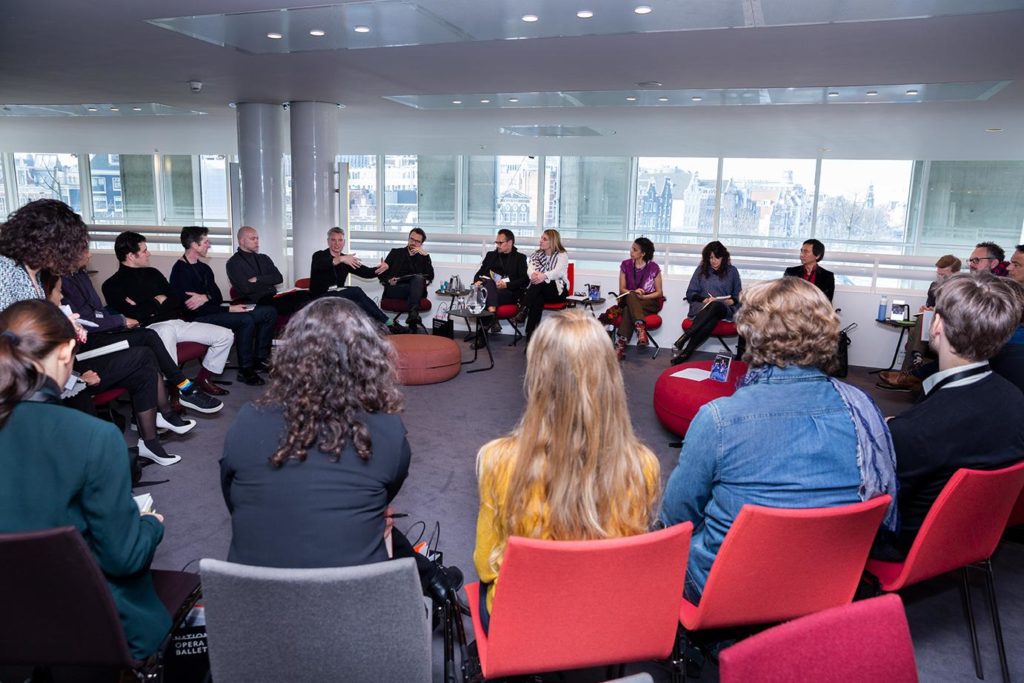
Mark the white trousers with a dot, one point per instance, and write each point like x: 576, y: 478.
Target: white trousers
x: 218, y: 338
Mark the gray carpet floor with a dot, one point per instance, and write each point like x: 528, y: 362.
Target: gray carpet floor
x: 448, y: 423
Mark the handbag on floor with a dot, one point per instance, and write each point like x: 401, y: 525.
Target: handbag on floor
x: 442, y: 324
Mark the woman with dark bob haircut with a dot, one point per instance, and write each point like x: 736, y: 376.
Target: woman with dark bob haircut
x: 714, y: 294
x: 61, y: 467
x: 790, y: 437
x: 310, y: 468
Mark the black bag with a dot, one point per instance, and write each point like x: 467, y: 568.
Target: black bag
x: 443, y: 325
x: 843, y: 352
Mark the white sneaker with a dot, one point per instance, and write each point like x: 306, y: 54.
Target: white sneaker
x: 144, y: 452
x: 183, y: 426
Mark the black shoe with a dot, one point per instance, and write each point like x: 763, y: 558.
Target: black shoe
x: 197, y: 400
x: 262, y: 365
x: 396, y: 327
x: 521, y: 315
x: 250, y: 377
x: 495, y: 328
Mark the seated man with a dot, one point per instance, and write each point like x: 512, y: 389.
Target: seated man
x: 330, y: 268
x: 107, y: 327
x: 917, y: 351
x: 811, y: 253
x: 255, y: 277
x: 142, y: 292
x: 509, y: 265
x: 409, y: 273
x: 1009, y: 362
x: 970, y: 416
x: 193, y: 283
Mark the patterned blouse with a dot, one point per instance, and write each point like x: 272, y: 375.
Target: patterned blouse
x: 16, y: 285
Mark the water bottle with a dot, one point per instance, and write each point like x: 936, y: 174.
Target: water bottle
x: 882, y: 305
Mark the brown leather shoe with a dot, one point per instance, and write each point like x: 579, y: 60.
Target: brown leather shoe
x: 899, y: 379
x: 208, y: 387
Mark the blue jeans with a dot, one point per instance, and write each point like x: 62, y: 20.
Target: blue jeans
x: 257, y: 324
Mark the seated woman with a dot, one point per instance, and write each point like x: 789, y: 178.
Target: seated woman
x: 60, y: 467
x: 640, y: 294
x: 547, y: 270
x: 790, y: 437
x: 572, y: 469
x: 310, y: 468
x: 714, y: 294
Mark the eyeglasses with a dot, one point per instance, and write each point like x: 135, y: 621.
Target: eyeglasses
x: 416, y: 240
x: 975, y: 260
x: 500, y: 242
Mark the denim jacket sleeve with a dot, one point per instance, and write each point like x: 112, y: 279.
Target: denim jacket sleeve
x: 689, y: 487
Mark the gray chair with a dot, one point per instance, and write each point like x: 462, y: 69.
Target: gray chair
x: 338, y: 624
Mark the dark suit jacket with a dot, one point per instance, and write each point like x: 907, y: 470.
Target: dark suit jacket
x: 512, y: 265
x: 823, y: 279
x: 323, y: 274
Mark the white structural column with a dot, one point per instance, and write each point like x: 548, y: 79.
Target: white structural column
x: 261, y: 148
x: 314, y: 131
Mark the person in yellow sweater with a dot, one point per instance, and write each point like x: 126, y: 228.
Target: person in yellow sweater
x: 572, y: 469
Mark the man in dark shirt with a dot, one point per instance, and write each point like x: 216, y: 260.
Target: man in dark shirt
x: 969, y: 416
x: 142, y: 292
x: 811, y: 253
x: 193, y: 282
x: 329, y: 271
x: 254, y: 277
x: 409, y: 273
x: 509, y: 265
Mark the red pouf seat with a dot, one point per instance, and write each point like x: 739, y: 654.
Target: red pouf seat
x: 425, y: 358
x: 677, y: 399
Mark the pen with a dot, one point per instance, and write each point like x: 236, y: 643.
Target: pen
x: 398, y: 514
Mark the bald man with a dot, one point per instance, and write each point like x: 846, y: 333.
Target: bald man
x: 254, y: 277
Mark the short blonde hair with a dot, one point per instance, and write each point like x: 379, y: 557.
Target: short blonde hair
x: 788, y: 322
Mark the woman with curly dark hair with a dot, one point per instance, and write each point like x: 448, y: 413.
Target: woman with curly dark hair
x: 714, y: 294
x: 310, y: 467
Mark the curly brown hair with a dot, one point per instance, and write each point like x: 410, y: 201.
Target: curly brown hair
x: 331, y: 365
x: 788, y: 322
x: 45, y: 235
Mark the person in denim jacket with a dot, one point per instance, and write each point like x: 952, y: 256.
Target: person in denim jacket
x: 790, y: 437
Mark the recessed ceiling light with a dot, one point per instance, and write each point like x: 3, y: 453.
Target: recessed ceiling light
x: 115, y: 109
x: 663, y: 99
x: 825, y: 149
x: 456, y: 101
x: 871, y: 93
x: 362, y: 29
x: 91, y: 109
x: 833, y: 94
x: 642, y: 9
x: 513, y: 99
x: 485, y: 101
x: 136, y: 108
x: 584, y: 14
x: 317, y: 32
x: 274, y: 35
x: 530, y: 18
x: 911, y: 93
x: 649, y: 84
x: 993, y: 130
x: 696, y: 98
x: 631, y: 99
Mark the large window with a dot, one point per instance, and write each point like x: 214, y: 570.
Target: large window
x: 48, y: 176
x: 362, y: 190
x: 862, y: 205
x: 501, y: 191
x: 675, y: 198
x: 123, y: 189
x: 766, y: 202
x: 419, y: 190
x: 586, y: 196
x: 195, y: 190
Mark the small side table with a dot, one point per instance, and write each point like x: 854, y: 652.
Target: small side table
x: 480, y: 334
x: 585, y: 301
x: 455, y: 294
x: 902, y: 326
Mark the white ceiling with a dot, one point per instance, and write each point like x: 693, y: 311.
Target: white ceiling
x: 69, y: 51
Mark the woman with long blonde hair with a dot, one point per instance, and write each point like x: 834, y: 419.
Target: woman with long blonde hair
x: 572, y: 469
x: 548, y: 273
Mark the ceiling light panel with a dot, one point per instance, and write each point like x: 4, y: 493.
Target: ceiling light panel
x: 555, y: 131
x: 97, y: 110
x: 845, y: 95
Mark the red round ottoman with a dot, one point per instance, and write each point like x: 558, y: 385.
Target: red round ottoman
x: 677, y: 399
x: 425, y: 358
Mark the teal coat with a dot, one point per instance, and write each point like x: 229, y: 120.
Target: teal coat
x: 60, y: 467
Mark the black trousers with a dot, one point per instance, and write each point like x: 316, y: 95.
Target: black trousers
x: 535, y: 298
x: 499, y: 297
x: 142, y: 338
x: 703, y: 325
x: 411, y: 291
x: 357, y: 296
x: 286, y: 304
x: 134, y: 369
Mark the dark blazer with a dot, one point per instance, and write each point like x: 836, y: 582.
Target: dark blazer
x: 401, y: 262
x: 823, y: 279
x: 323, y: 274
x: 512, y: 265
x: 58, y: 467
x: 243, y: 265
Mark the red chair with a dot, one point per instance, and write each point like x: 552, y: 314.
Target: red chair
x: 777, y: 564
x: 723, y: 328
x: 863, y: 642
x: 189, y: 351
x: 961, y: 530
x: 508, y: 312
x: 570, y: 276
x: 652, y: 322
x: 103, y: 402
x: 564, y: 605
x: 1017, y: 515
x: 400, y: 306
x: 302, y: 283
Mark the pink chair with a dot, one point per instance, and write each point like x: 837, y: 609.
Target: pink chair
x: 564, y: 605
x: 863, y: 642
x: 961, y: 530
x: 778, y: 564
